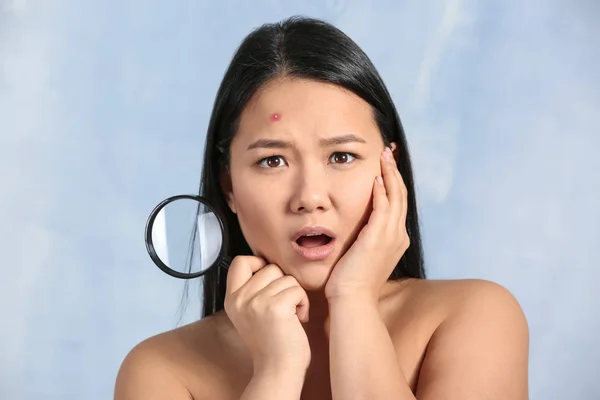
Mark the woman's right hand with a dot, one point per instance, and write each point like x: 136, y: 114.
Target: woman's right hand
x: 267, y: 308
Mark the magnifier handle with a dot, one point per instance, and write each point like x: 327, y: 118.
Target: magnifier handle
x: 225, y: 262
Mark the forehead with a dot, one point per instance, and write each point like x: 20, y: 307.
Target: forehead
x: 305, y: 106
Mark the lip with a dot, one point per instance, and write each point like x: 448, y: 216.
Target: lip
x: 312, y: 230
x: 318, y: 253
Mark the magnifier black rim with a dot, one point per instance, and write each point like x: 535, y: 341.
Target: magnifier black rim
x: 150, y: 244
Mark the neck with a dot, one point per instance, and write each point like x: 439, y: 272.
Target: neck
x: 317, y: 327
x: 317, y: 332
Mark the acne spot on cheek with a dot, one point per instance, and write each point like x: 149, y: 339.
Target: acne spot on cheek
x: 275, y: 117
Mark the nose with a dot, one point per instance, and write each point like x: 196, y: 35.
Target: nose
x: 311, y: 192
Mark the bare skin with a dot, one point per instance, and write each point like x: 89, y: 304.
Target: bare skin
x: 307, y: 153
x: 207, y: 359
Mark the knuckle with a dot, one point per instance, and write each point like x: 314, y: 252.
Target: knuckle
x: 256, y: 304
x: 405, y: 242
x: 236, y: 303
x: 274, y: 267
x: 275, y: 308
x: 289, y: 279
x: 236, y: 263
x: 232, y: 304
x: 238, y: 259
x: 274, y: 270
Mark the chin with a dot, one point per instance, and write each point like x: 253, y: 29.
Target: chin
x: 313, y: 285
x: 312, y: 276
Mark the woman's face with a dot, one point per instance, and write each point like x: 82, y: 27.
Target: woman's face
x: 305, y: 156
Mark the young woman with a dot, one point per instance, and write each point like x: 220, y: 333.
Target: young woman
x: 326, y: 297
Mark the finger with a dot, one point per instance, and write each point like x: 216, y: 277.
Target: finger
x: 378, y: 215
x: 241, y: 270
x: 403, y: 195
x: 380, y: 195
x: 262, y: 278
x: 380, y: 198
x: 392, y: 181
x: 297, y: 296
x: 278, y: 285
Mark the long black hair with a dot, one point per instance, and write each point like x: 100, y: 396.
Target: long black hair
x: 305, y: 48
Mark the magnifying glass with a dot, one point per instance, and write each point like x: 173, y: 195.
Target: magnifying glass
x: 185, y: 237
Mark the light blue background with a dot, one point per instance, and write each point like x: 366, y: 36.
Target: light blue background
x: 103, y: 112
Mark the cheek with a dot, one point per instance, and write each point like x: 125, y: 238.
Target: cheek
x: 354, y: 195
x: 255, y: 208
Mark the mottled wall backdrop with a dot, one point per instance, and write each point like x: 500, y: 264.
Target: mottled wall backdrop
x: 103, y: 111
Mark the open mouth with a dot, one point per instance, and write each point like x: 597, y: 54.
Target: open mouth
x: 314, y: 240
x: 314, y: 243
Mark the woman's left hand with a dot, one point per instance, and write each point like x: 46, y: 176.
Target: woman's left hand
x: 370, y: 260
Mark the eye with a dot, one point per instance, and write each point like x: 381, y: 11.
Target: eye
x: 271, y: 162
x: 342, y: 158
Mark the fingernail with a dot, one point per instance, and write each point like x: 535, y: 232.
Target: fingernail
x: 387, y: 154
x: 380, y: 180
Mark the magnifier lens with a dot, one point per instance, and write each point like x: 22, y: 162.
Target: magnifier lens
x: 184, y: 236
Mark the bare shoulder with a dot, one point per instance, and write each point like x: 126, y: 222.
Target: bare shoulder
x: 463, y: 295
x: 480, y: 346
x: 176, y: 364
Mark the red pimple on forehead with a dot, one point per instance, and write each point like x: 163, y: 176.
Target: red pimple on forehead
x: 275, y: 117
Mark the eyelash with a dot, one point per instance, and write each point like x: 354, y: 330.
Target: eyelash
x: 354, y: 156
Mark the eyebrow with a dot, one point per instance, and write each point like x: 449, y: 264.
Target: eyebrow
x: 282, y: 144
